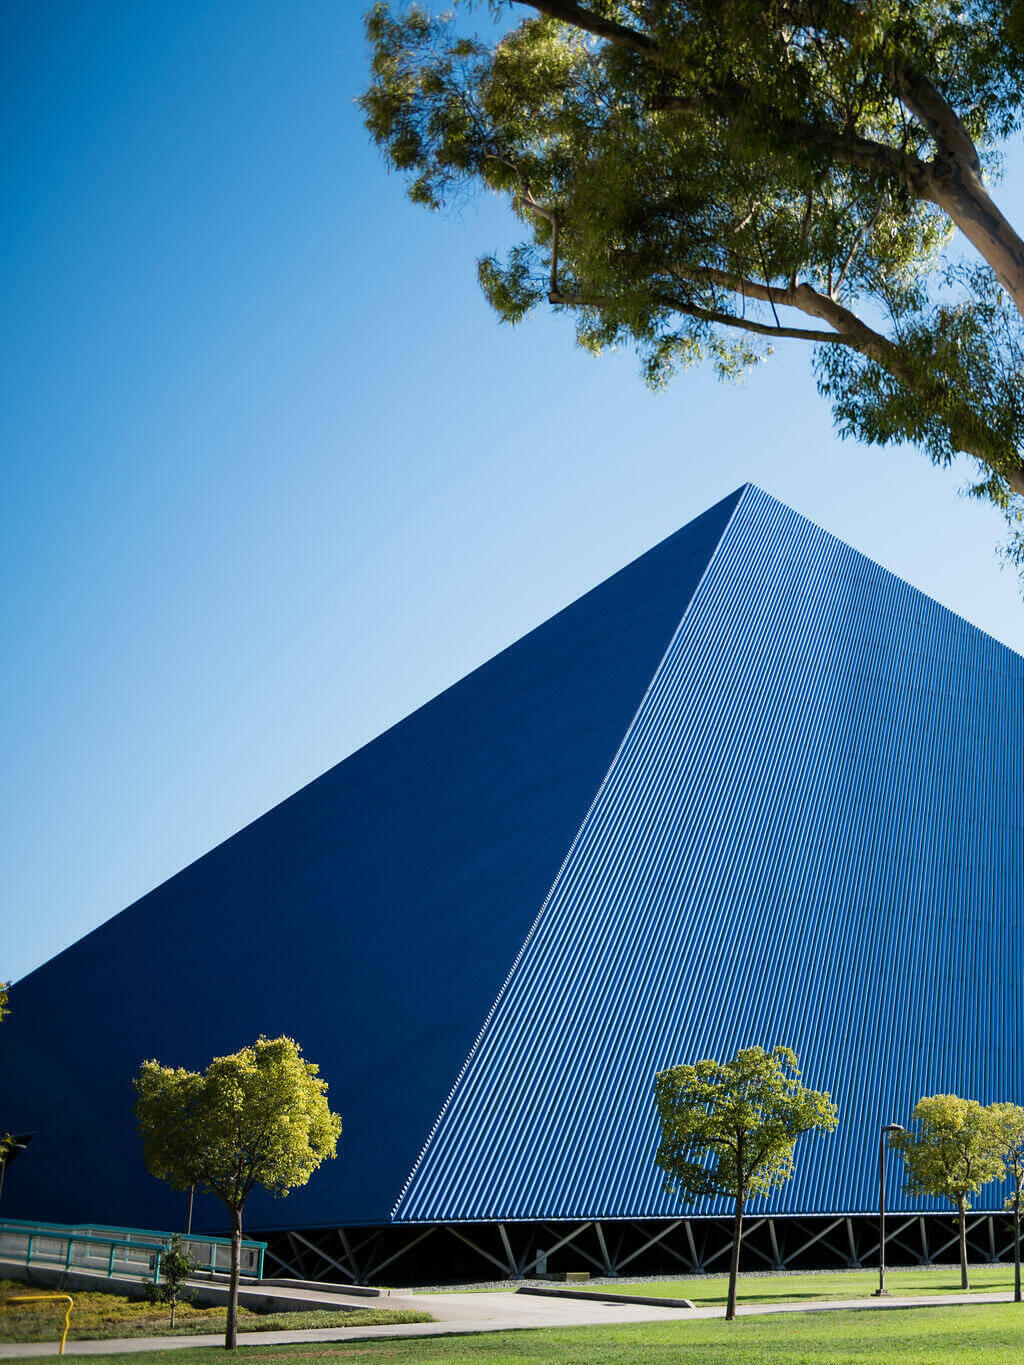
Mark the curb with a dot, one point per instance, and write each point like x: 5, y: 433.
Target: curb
x: 595, y: 1295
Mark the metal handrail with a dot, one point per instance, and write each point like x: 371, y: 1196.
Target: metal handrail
x: 48, y: 1297
x: 109, y: 1243
x: 114, y: 1227
x: 20, y: 1227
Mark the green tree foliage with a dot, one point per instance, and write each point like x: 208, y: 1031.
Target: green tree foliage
x: 175, y: 1269
x: 258, y: 1117
x: 954, y: 1148
x: 1009, y: 1123
x: 4, y: 1009
x: 729, y: 1129
x: 702, y: 178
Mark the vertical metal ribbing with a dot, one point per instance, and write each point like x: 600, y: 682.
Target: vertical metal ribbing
x: 717, y: 519
x: 810, y: 835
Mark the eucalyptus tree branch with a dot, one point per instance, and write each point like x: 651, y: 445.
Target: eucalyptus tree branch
x: 849, y: 330
x: 858, y: 237
x: 700, y: 314
x: 768, y: 286
x: 801, y: 296
x: 805, y: 226
x: 526, y: 196
x: 852, y: 150
x: 569, y: 12
x: 920, y: 96
x: 958, y: 189
x: 952, y: 181
x: 817, y: 99
x: 848, y: 148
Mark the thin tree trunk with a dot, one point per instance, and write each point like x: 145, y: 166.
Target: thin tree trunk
x: 955, y: 181
x: 734, y: 1264
x: 1016, y: 1234
x: 962, y: 1210
x: 231, y: 1336
x: 960, y: 192
x: 174, y: 1304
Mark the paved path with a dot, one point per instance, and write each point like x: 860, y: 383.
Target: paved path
x: 454, y: 1314
x: 457, y: 1314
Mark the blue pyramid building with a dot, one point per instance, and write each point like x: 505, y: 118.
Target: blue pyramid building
x: 751, y: 789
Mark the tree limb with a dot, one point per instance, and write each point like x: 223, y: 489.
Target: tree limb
x: 569, y: 12
x: 692, y: 310
x: 849, y: 330
x: 858, y: 237
x: 802, y: 296
x: 952, y: 181
x: 805, y: 226
x: 924, y: 101
x: 848, y: 148
x: 526, y: 195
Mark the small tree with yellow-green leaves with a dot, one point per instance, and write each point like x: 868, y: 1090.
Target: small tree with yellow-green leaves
x: 258, y: 1117
x: 952, y: 1150
x: 1009, y: 1122
x: 729, y: 1129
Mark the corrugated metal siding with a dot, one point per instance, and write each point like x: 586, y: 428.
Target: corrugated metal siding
x: 372, y: 916
x: 811, y: 835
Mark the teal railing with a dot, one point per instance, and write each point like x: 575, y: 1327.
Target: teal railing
x: 116, y: 1250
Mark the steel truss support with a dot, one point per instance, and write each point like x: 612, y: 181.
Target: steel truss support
x: 508, y: 1268
x: 697, y: 1264
x: 278, y: 1258
x: 745, y: 1244
x: 609, y: 1269
x: 376, y: 1269
x: 566, y: 1241
x: 954, y: 1240
x: 775, y: 1244
x: 812, y: 1241
x: 652, y: 1241
x: 486, y: 1251
x: 332, y: 1264
x: 346, y: 1246
x: 513, y: 1267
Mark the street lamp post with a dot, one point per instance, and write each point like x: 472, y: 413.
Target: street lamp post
x: 881, y: 1291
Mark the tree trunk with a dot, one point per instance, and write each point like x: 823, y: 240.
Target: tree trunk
x: 959, y: 191
x: 231, y: 1336
x: 1016, y: 1235
x: 174, y: 1304
x: 962, y: 1210
x: 734, y: 1264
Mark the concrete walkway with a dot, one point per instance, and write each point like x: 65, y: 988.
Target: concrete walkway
x: 456, y: 1314
x: 268, y: 1296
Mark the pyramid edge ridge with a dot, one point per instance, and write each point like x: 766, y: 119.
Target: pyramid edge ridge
x: 738, y: 495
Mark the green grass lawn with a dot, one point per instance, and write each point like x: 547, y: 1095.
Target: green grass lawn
x: 783, y: 1286
x: 705, y: 1290
x: 99, y: 1316
x: 983, y: 1334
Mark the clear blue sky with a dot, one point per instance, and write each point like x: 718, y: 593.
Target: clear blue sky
x: 274, y: 475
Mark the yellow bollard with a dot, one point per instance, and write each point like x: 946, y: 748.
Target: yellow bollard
x: 31, y: 1298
